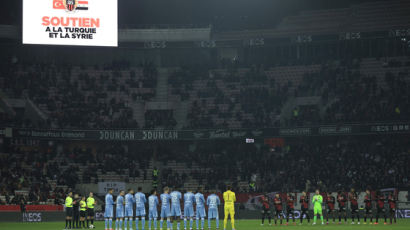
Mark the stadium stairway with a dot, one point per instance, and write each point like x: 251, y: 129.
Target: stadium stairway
x: 324, y: 107
x: 36, y: 112
x: 286, y: 112
x: 4, y: 105
x: 21, y: 107
x: 138, y: 109
x: 181, y: 112
x: 162, y: 85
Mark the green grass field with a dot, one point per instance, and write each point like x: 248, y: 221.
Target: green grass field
x: 240, y: 225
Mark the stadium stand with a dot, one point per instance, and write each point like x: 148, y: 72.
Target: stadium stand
x: 349, y: 162
x: 231, y: 94
x: 221, y: 98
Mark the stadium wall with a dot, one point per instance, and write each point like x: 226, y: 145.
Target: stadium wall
x: 210, y: 134
x: 99, y: 216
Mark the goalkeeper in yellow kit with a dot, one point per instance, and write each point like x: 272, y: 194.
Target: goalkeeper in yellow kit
x: 229, y: 198
x: 317, y: 206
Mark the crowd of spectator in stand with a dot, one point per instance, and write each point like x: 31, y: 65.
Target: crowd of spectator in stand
x: 29, y: 172
x: 331, y: 163
x: 80, y: 96
x: 340, y: 163
x: 346, y: 95
x: 249, y: 98
x: 351, y: 96
x: 160, y: 119
x: 47, y: 174
x: 100, y: 96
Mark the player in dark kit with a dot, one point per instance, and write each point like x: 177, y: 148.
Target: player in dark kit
x: 380, y: 207
x: 354, y: 205
x: 304, y: 203
x: 341, y: 200
x: 290, y: 208
x: 392, y: 207
x: 277, y: 201
x: 330, y: 203
x: 368, y: 207
x: 265, y: 209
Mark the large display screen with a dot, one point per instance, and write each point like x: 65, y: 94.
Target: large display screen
x: 70, y: 22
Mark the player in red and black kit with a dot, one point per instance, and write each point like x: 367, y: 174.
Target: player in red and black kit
x: 341, y: 200
x: 392, y: 206
x: 354, y: 205
x: 265, y: 209
x: 290, y: 208
x: 380, y: 207
x: 368, y: 207
x: 277, y: 201
x: 304, y: 204
x: 330, y: 203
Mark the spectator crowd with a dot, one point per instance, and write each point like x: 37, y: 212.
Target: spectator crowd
x: 100, y: 97
x: 105, y: 96
x: 330, y: 163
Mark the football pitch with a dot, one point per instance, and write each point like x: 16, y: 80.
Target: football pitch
x: 240, y: 225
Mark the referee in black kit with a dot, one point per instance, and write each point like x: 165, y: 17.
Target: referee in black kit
x: 76, y: 210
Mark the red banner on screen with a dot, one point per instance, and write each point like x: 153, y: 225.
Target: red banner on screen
x: 30, y: 208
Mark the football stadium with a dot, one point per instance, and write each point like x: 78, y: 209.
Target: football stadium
x: 214, y: 114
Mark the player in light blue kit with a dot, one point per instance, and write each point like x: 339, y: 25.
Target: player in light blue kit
x: 152, y: 207
x: 176, y: 208
x: 213, y: 202
x: 109, y: 209
x: 200, y: 208
x: 120, y: 210
x: 165, y: 207
x: 129, y: 208
x: 140, y: 201
x: 189, y: 199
